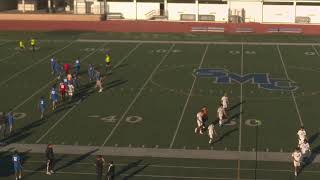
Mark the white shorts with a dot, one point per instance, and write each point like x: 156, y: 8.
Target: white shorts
x: 296, y: 163
x: 200, y: 123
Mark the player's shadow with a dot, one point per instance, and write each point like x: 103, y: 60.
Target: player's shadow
x: 128, y: 167
x: 236, y: 105
x: 23, y: 132
x: 226, y: 134
x: 313, y: 137
x: 140, y: 169
x: 6, y: 167
x: 115, y: 83
x: 77, y: 160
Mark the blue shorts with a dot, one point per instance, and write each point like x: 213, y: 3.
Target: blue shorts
x: 17, y: 168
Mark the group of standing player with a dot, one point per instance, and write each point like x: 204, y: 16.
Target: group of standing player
x: 202, y: 119
x: 302, y: 151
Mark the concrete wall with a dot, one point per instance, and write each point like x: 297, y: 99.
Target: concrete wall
x: 128, y: 9
x: 253, y: 10
x: 8, y: 4
x: 220, y: 11
x: 278, y: 13
x: 176, y: 9
x: 311, y: 11
x: 144, y: 8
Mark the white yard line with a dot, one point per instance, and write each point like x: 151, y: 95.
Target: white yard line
x: 34, y: 64
x: 57, y: 122
x: 241, y: 99
x: 124, y: 58
x: 5, y: 42
x: 8, y: 57
x: 315, y: 50
x: 137, y: 96
x: 188, y: 98
x: 292, y: 93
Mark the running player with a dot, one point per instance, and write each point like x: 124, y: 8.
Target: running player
x: 302, y: 135
x: 54, y: 98
x: 63, y: 89
x: 199, y: 127
x: 107, y: 60
x: 98, y: 81
x: 211, y: 133
x: 53, y: 63
x: 17, y: 165
x: 69, y: 78
x: 225, y: 101
x: 42, y: 107
x: 90, y: 72
x: 70, y: 91
x: 21, y: 45
x: 77, y: 66
x: 33, y: 44
x: 296, y: 157
x: 205, y: 115
x: 221, y: 114
x: 66, y: 68
x: 58, y: 70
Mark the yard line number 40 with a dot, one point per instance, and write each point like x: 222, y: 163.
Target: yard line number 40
x: 113, y: 119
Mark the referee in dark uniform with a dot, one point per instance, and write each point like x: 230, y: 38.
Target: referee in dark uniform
x: 110, y: 171
x: 50, y: 159
x: 99, y: 166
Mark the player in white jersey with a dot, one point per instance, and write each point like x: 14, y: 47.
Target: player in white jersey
x: 225, y: 101
x: 211, y: 133
x: 221, y: 114
x: 199, y: 127
x: 296, y: 157
x: 70, y: 90
x: 302, y: 135
x: 305, y: 149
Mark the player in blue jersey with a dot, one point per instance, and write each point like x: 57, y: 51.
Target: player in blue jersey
x: 58, y: 70
x: 53, y: 63
x: 77, y: 66
x: 90, y: 72
x: 54, y: 98
x: 42, y: 107
x: 10, y: 120
x: 17, y: 165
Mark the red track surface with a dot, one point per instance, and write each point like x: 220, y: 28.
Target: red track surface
x: 144, y: 26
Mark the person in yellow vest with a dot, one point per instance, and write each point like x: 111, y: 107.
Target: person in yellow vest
x: 107, y: 60
x: 21, y: 45
x: 33, y: 44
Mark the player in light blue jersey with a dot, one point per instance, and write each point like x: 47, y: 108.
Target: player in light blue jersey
x: 42, y: 107
x: 90, y: 72
x: 54, y: 98
x: 10, y: 120
x: 17, y: 165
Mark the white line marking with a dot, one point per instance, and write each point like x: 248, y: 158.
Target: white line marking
x: 6, y: 41
x: 241, y: 99
x: 46, y: 85
x: 57, y: 122
x: 188, y: 98
x: 138, y: 95
x: 292, y: 94
x: 130, y: 52
x: 36, y: 63
x: 315, y: 50
x: 8, y: 57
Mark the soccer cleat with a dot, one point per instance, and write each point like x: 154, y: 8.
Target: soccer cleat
x: 295, y: 174
x: 195, y: 130
x: 51, y: 171
x: 48, y: 173
x: 100, y: 90
x: 20, y: 177
x: 210, y: 141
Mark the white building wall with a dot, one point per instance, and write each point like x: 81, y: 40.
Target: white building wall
x: 128, y: 9
x: 176, y: 9
x: 253, y: 10
x: 220, y: 11
x: 311, y: 11
x: 144, y: 8
x: 278, y: 13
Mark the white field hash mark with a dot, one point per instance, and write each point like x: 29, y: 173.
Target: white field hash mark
x: 138, y: 95
x: 34, y: 64
x: 292, y: 93
x: 188, y: 98
x: 70, y: 110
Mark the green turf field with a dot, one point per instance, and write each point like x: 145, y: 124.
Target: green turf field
x: 153, y: 94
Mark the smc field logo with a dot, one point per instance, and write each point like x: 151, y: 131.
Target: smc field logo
x: 263, y: 80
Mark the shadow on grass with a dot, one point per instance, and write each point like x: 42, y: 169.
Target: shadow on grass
x: 128, y: 167
x: 135, y: 172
